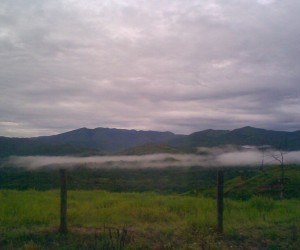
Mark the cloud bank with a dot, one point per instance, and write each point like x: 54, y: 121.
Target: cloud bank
x: 175, y: 65
x: 213, y: 157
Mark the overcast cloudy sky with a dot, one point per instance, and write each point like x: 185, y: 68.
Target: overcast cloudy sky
x: 174, y: 65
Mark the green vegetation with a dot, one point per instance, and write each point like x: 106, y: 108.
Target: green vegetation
x: 164, y: 180
x: 29, y: 220
x: 266, y: 183
x: 174, y: 215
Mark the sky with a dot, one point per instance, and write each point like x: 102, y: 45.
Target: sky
x: 165, y: 65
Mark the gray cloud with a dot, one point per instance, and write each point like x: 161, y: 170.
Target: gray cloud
x: 176, y: 65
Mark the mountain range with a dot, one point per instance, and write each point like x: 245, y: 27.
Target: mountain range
x: 102, y: 141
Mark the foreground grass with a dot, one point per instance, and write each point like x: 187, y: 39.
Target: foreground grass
x: 29, y: 220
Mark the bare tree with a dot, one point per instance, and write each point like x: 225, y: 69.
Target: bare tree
x: 279, y: 157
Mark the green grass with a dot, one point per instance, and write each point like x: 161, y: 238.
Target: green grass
x: 29, y: 220
x: 265, y: 183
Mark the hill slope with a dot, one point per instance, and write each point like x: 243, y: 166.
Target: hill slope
x: 30, y: 146
x: 108, y: 140
x: 150, y: 148
x: 86, y: 141
x: 265, y: 183
x: 242, y: 136
x: 83, y: 140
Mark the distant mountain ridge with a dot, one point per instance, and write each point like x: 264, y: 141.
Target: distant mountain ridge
x: 109, y: 140
x: 241, y: 136
x: 97, y: 141
x: 82, y: 141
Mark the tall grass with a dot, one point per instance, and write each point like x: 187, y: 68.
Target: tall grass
x: 189, y: 221
x: 28, y: 208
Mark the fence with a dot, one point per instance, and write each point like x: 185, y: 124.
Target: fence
x: 63, y: 201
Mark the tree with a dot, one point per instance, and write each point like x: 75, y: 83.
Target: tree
x: 279, y: 157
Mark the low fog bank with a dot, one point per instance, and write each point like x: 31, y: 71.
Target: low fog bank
x: 228, y: 156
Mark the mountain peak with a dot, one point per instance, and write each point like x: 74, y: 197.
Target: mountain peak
x: 248, y: 128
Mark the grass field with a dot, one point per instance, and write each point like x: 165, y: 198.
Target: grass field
x: 106, y: 220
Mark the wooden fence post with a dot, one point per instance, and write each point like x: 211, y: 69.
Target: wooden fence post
x: 63, y: 202
x: 220, y: 200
